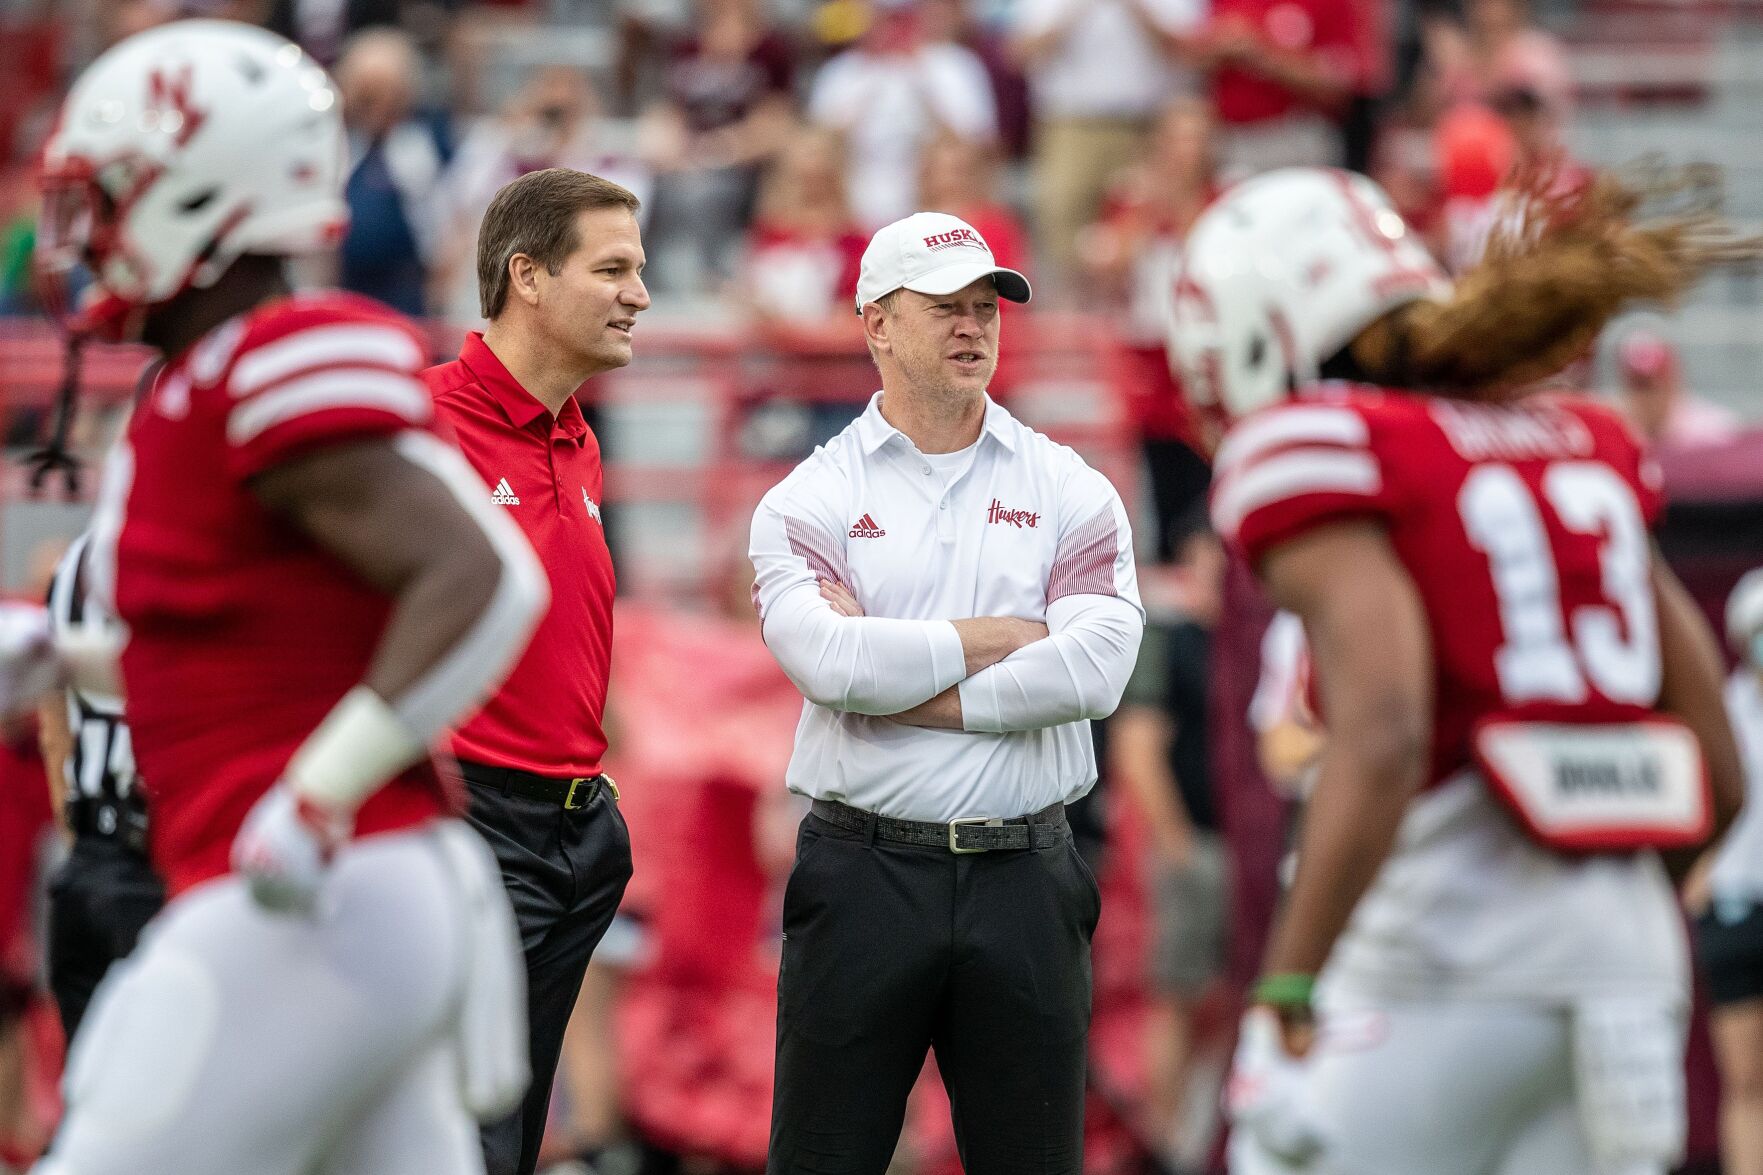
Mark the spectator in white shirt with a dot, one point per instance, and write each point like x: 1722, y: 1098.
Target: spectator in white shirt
x: 888, y: 96
x: 1099, y: 71
x: 955, y: 596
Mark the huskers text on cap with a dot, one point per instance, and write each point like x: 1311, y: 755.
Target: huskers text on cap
x: 932, y: 253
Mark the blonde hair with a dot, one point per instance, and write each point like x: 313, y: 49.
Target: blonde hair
x: 1558, y: 266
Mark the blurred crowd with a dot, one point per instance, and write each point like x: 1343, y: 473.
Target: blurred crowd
x: 769, y: 137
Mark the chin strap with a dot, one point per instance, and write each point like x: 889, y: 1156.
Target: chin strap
x: 56, y: 455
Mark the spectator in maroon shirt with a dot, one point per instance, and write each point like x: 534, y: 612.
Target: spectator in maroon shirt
x: 726, y: 111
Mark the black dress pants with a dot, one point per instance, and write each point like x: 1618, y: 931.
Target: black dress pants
x: 890, y: 950
x: 99, y: 900
x: 565, y: 872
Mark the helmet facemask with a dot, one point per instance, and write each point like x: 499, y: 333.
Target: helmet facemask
x: 84, y: 228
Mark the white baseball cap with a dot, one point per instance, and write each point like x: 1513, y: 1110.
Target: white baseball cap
x: 931, y: 253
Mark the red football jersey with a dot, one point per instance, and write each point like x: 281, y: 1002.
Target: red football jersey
x: 243, y: 633
x: 1524, y: 526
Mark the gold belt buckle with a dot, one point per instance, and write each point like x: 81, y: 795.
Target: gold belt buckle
x: 569, y: 804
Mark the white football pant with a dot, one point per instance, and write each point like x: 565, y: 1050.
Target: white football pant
x: 236, y: 1041
x: 1468, y: 1088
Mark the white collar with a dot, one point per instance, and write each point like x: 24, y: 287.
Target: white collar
x: 873, y: 430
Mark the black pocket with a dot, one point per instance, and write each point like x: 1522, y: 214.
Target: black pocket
x: 1088, y: 878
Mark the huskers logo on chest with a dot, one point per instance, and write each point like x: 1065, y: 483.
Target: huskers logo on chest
x: 1000, y: 514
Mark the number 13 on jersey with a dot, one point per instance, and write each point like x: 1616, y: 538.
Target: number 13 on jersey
x: 1545, y: 654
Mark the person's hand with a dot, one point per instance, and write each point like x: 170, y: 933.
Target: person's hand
x: 29, y: 667
x: 840, y: 597
x: 1230, y: 41
x: 1268, y: 1094
x: 284, y: 847
x: 987, y: 640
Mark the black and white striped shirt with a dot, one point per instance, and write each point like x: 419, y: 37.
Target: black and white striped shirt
x: 104, y: 796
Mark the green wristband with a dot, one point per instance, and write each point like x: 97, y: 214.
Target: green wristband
x: 1285, y: 991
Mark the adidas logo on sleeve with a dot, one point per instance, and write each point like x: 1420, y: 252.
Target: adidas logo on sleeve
x: 503, y: 494
x: 865, y: 528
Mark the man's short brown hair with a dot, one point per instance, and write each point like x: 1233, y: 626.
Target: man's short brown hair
x: 536, y: 215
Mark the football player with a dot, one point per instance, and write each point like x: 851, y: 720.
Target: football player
x: 1523, y: 706
x: 311, y: 589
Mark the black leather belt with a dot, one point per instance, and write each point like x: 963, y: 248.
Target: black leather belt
x: 970, y: 834
x: 571, y: 794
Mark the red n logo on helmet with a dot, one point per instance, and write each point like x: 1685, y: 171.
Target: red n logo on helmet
x: 168, y: 99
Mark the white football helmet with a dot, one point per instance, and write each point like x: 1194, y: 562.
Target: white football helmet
x: 1279, y: 274
x: 184, y: 147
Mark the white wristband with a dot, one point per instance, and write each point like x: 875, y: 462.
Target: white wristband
x: 360, y: 745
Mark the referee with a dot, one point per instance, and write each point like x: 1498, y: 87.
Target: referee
x: 954, y: 595
x: 560, y: 279
x: 106, y: 890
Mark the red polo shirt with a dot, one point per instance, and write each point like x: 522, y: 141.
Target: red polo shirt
x: 545, y: 472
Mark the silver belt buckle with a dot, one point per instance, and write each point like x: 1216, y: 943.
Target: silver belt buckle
x: 955, y: 826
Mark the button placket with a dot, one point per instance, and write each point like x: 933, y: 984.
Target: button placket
x: 555, y: 440
x: 946, y: 516
x: 910, y: 459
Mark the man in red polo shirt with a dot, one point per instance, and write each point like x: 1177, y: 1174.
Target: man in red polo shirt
x: 560, y: 277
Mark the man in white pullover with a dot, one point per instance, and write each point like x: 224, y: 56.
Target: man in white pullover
x: 955, y: 596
